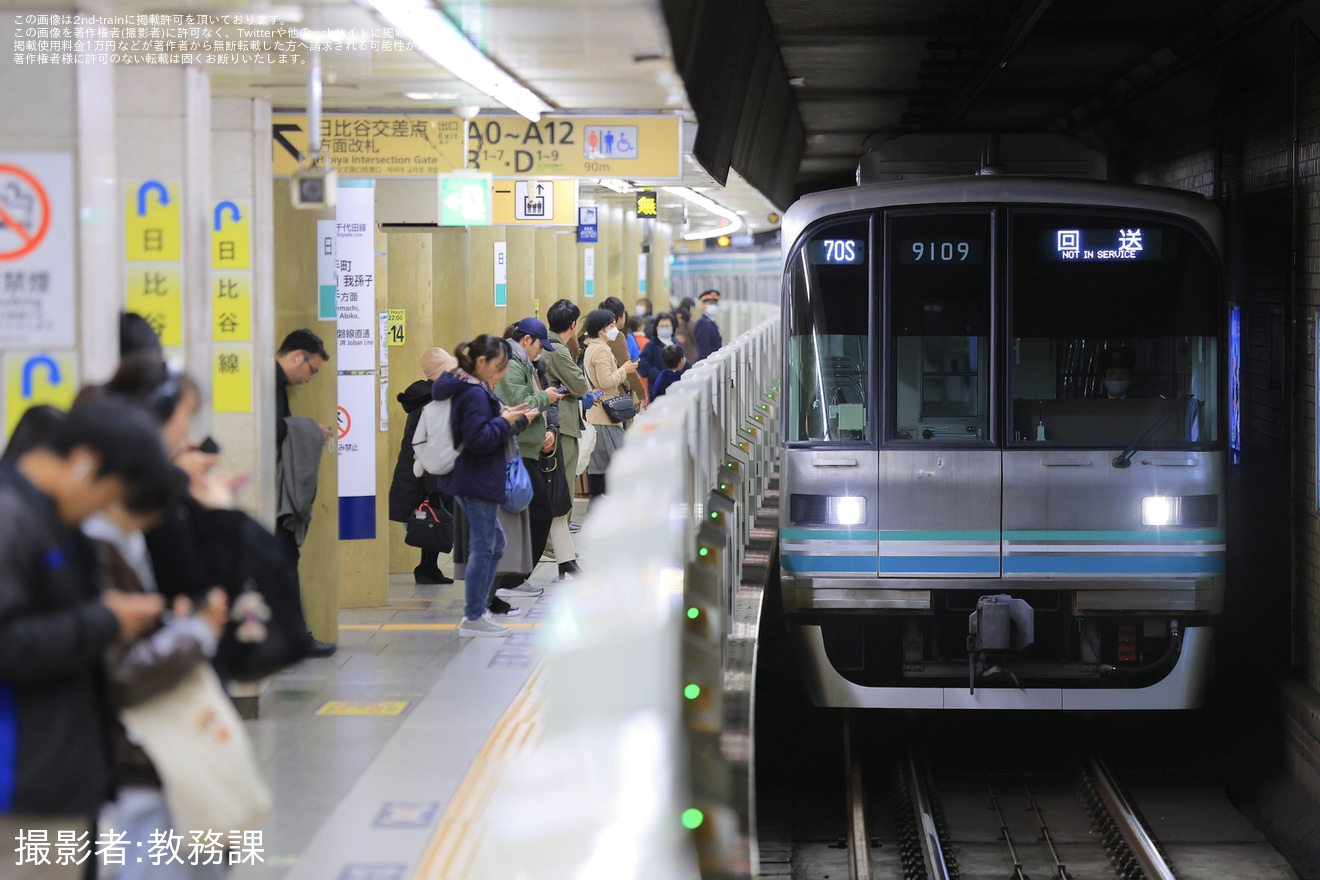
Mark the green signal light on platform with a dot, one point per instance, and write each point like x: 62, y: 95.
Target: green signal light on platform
x: 692, y: 691
x: 692, y: 818
x: 693, y: 613
x: 724, y: 485
x: 704, y: 551
x: 714, y: 514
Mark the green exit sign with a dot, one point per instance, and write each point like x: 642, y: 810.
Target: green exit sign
x: 465, y: 199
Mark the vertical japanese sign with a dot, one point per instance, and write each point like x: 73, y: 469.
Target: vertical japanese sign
x: 589, y: 272
x: 153, y: 252
x: 385, y: 401
x: 35, y: 379
x: 355, y: 353
x: 643, y: 264
x: 37, y: 212
x: 326, y: 277
x: 231, y: 306
x: 384, y: 337
x: 355, y: 262
x: 501, y: 273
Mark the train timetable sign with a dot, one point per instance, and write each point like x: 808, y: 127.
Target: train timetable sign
x: 379, y: 145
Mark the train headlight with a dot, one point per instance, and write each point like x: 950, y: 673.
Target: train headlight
x: 1156, y: 510
x: 847, y: 510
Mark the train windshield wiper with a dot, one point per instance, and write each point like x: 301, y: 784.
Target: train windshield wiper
x: 1124, y: 458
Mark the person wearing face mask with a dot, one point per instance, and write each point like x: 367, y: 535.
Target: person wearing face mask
x: 561, y: 368
x: 643, y: 308
x: 705, y: 331
x: 624, y: 345
x: 604, y: 373
x: 1115, y: 366
x: 520, y: 385
x: 651, y: 364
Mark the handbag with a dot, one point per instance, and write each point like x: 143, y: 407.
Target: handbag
x: 197, y: 742
x: 430, y: 528
x: 620, y: 409
x: 556, y: 482
x: 517, y: 486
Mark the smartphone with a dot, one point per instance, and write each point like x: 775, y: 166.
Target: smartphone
x: 209, y: 446
x: 562, y: 389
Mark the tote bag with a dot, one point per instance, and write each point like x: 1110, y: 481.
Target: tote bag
x: 203, y: 755
x: 586, y: 445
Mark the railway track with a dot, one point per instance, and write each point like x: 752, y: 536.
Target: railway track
x: 915, y: 811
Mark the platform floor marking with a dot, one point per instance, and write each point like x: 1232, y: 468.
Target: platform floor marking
x: 454, y: 845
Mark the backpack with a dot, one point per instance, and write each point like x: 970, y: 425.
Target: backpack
x: 433, y: 442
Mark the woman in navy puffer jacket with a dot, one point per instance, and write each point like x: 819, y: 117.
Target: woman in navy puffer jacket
x: 482, y: 427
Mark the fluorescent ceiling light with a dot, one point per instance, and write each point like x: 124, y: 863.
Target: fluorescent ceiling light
x: 438, y: 38
x: 733, y: 224
x: 619, y: 186
x: 432, y: 96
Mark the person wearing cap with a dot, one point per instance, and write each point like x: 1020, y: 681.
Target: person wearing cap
x: 529, y: 338
x: 1115, y: 368
x: 705, y: 330
x: 407, y: 491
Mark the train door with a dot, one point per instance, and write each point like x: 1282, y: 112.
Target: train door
x: 940, y: 468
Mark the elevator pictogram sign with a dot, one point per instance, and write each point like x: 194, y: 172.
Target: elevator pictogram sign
x: 24, y: 213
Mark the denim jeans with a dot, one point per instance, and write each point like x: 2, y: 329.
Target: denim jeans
x: 485, y: 547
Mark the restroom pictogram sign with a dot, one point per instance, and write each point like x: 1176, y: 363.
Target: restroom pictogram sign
x: 24, y: 213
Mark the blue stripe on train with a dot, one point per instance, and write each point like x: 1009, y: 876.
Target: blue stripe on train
x: 1104, y: 564
x: 797, y: 563
x: 939, y: 564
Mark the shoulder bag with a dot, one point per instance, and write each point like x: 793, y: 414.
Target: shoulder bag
x: 517, y: 483
x: 430, y: 528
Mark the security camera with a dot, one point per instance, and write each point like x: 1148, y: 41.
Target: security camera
x: 313, y: 189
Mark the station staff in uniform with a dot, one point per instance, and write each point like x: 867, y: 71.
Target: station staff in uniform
x: 705, y: 330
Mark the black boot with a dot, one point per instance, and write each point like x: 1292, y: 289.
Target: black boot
x: 436, y: 576
x: 569, y: 569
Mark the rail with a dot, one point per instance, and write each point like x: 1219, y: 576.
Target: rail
x: 639, y: 771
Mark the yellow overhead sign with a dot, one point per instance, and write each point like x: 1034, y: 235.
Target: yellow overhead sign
x: 522, y: 201
x: 375, y: 145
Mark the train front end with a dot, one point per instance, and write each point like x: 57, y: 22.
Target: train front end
x: 1004, y: 467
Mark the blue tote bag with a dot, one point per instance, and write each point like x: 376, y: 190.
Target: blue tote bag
x: 517, y: 485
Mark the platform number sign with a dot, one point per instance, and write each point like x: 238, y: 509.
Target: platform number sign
x: 397, y: 325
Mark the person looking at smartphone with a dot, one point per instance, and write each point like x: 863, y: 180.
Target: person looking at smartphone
x: 482, y: 427
x: 529, y: 338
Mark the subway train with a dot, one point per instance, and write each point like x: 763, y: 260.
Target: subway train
x: 1005, y: 414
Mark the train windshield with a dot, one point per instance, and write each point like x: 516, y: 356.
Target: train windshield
x: 829, y: 321
x: 1113, y: 327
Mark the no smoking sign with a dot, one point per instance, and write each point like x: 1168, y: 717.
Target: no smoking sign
x: 37, y: 301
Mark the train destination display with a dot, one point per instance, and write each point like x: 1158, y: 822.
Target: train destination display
x: 1101, y: 245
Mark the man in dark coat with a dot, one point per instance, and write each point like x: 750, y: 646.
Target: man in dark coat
x: 406, y: 490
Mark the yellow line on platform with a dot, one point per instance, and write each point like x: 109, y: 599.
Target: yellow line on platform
x: 453, y: 848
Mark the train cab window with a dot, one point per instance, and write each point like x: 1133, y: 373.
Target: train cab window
x: 1114, y: 328
x: 939, y: 273
x: 829, y: 352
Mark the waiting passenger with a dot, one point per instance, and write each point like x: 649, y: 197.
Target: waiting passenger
x: 652, y: 363
x: 56, y: 624
x: 683, y: 329
x: 522, y: 385
x: 33, y: 426
x: 675, y: 367
x: 563, y: 370
x: 407, y: 490
x: 603, y: 372
x: 483, y: 426
x: 623, y: 345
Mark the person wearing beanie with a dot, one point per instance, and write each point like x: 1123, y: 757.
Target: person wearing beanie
x: 406, y: 490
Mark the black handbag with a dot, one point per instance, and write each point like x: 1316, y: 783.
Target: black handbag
x: 430, y: 528
x: 556, y: 481
x: 620, y: 409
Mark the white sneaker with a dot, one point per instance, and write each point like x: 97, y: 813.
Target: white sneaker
x: 482, y: 627
x: 522, y: 591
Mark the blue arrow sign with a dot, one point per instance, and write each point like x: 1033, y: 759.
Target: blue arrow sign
x: 41, y: 360
x: 163, y: 195
x: 229, y: 207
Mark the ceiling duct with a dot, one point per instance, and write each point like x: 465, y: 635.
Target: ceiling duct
x: 915, y: 156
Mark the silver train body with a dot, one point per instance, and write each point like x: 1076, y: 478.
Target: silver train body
x: 1005, y: 416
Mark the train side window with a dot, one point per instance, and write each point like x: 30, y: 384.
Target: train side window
x: 940, y: 278
x: 1114, y: 326
x: 829, y: 356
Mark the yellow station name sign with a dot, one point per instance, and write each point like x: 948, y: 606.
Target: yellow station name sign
x: 360, y: 145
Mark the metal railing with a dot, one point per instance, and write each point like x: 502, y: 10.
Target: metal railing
x: 630, y: 777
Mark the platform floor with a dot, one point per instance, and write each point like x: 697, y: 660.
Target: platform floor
x: 366, y: 750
